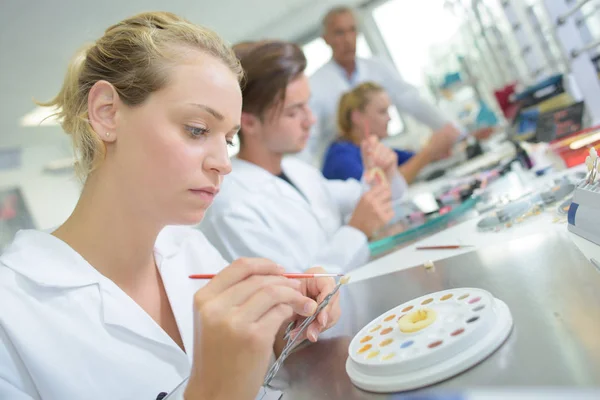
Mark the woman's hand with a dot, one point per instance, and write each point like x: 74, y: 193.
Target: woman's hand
x: 318, y: 289
x: 441, y: 142
x: 376, y: 154
x: 483, y: 133
x: 237, y: 317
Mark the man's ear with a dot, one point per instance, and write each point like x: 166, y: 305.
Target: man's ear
x: 249, y: 124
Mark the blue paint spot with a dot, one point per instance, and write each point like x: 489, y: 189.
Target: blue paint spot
x: 406, y: 344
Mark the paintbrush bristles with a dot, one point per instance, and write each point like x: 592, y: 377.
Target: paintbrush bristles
x: 345, y: 279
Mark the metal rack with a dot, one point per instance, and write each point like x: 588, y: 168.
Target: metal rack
x: 576, y: 42
x: 531, y: 50
x: 527, y: 41
x: 543, y: 32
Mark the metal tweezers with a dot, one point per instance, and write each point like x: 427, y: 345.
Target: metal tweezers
x: 291, y: 342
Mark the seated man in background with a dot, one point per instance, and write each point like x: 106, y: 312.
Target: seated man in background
x: 345, y: 70
x: 363, y: 114
x: 282, y: 208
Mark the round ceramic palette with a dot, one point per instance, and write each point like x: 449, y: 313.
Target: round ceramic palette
x: 453, y: 330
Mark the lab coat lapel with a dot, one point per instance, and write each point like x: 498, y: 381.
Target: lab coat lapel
x: 337, y: 73
x: 255, y: 178
x: 310, y: 187
x: 69, y: 271
x: 288, y: 191
x: 302, y: 182
x: 180, y: 291
x: 122, y: 312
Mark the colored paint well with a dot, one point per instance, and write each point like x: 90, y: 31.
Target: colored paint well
x: 366, y: 339
x: 475, y: 300
x: 373, y: 354
x: 390, y: 317
x: 388, y: 356
x: 479, y: 308
x: 407, y: 309
x: 457, y: 332
x: 447, y: 297
x: 417, y: 320
x: 402, y: 316
x: 375, y: 328
x: 386, y: 331
x: 464, y: 296
x: 435, y: 344
x: 386, y: 342
x: 451, y: 318
x: 365, y: 348
x: 407, y: 344
x: 429, y: 300
x: 471, y: 320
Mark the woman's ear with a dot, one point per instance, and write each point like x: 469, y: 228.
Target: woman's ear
x: 103, y: 100
x: 357, y: 118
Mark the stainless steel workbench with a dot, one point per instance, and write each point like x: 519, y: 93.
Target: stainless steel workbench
x: 552, y: 290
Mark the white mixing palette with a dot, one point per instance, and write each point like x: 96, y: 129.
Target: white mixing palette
x: 470, y: 324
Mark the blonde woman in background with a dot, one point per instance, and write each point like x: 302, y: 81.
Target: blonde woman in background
x: 102, y: 307
x: 363, y: 119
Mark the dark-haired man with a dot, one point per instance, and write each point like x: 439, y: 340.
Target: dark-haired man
x: 281, y: 208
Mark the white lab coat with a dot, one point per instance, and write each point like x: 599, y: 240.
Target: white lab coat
x: 258, y: 214
x: 68, y: 332
x: 330, y: 82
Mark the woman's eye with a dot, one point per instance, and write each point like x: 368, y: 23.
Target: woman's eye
x: 195, y: 131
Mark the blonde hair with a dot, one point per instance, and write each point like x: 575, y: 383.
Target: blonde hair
x: 356, y: 99
x: 132, y: 56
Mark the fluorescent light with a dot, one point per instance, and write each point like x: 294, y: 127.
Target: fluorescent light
x: 578, y: 144
x: 40, y: 116
x: 60, y: 165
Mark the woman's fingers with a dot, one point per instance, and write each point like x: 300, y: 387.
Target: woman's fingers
x: 268, y: 297
x: 238, y: 271
x: 243, y: 291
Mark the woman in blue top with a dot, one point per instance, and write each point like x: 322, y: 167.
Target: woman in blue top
x: 362, y: 112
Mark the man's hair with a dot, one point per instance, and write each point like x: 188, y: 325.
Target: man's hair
x: 334, y: 12
x: 269, y: 66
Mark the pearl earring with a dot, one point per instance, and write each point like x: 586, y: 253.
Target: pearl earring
x: 107, y: 134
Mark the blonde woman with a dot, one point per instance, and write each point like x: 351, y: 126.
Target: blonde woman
x: 363, y: 112
x: 102, y: 307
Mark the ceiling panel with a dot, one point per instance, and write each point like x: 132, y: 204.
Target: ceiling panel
x: 38, y: 37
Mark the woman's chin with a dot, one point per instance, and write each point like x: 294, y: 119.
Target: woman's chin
x: 190, y: 218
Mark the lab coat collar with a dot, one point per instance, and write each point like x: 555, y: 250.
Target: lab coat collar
x: 254, y: 179
x: 250, y: 176
x: 354, y: 78
x: 48, y: 261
